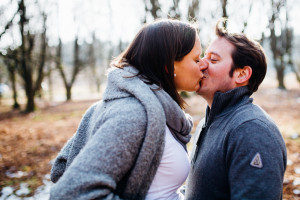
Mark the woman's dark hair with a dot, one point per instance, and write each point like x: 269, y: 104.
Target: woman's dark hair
x: 247, y: 52
x: 154, y: 50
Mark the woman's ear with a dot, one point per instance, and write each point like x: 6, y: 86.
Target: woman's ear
x: 243, y: 75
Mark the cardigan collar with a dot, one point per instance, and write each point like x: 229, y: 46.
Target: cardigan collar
x: 124, y: 83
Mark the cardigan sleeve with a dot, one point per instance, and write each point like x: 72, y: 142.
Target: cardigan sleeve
x: 60, y: 162
x: 256, y: 161
x: 108, y: 155
x: 63, y: 159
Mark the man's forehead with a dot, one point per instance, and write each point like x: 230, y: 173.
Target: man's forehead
x: 211, y: 47
x: 219, y: 47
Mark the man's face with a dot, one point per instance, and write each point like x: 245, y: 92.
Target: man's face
x: 216, y: 76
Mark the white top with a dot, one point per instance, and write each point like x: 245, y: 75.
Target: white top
x: 172, y: 171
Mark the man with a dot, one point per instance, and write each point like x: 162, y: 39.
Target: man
x: 239, y: 152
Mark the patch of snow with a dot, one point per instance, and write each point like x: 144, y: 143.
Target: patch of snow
x: 296, y: 191
x: 6, y: 191
x: 294, y: 136
x: 297, y: 170
x: 24, y: 190
x: 41, y: 193
x: 289, y: 162
x: 296, y: 182
x: 18, y: 174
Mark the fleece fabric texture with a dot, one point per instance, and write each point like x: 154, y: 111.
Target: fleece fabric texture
x: 233, y: 133
x: 119, y: 143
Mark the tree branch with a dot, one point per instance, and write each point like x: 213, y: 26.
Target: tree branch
x: 8, y: 24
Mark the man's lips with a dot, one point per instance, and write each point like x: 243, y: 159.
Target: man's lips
x: 203, y: 77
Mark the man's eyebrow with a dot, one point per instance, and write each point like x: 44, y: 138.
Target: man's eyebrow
x: 214, y: 53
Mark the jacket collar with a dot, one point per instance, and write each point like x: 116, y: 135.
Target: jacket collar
x: 226, y: 102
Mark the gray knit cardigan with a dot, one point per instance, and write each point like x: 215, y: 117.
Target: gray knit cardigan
x: 119, y: 143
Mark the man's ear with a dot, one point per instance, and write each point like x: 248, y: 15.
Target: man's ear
x: 243, y: 75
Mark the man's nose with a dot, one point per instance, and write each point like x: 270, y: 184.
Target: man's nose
x: 203, y: 64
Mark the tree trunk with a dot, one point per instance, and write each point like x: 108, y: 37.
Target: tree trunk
x: 69, y: 92
x: 98, y: 84
x: 42, y: 59
x: 224, y: 11
x: 30, y: 106
x: 280, y: 77
x: 296, y: 70
x: 50, y: 84
x: 15, y: 93
x: 11, y: 63
x: 193, y: 10
x: 25, y: 68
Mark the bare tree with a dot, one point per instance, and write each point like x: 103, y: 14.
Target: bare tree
x: 77, y: 67
x: 174, y: 10
x: 224, y: 11
x: 152, y: 7
x: 92, y: 63
x: 280, y: 44
x: 193, y: 9
x: 29, y: 64
x: 245, y: 24
x: 11, y: 62
x: 9, y: 24
x: 296, y: 70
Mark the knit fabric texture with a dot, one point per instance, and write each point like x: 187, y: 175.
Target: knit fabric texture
x: 119, y: 143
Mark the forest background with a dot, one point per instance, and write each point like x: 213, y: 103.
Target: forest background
x: 54, y: 55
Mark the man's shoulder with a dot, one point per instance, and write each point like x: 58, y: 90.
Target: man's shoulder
x: 249, y: 112
x: 252, y: 120
x: 248, y: 115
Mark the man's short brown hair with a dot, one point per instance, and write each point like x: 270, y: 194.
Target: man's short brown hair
x: 247, y: 52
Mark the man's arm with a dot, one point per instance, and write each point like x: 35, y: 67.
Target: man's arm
x: 256, y: 161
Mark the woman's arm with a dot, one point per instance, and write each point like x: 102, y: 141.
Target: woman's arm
x: 60, y: 162
x: 108, y: 155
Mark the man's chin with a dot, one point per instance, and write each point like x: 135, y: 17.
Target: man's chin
x: 199, y: 91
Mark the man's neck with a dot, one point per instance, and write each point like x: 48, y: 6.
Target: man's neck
x: 209, y: 100
x: 209, y: 103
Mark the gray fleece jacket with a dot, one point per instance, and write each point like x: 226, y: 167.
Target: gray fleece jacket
x: 239, y: 152
x: 119, y: 143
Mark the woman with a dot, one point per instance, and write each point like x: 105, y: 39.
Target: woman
x: 131, y: 145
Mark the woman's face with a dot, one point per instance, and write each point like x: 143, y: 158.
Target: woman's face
x: 189, y: 70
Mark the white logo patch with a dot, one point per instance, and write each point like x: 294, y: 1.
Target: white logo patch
x: 256, y: 161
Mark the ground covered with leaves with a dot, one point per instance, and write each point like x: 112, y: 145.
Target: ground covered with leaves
x: 28, y: 143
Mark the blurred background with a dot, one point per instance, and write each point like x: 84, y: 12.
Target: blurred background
x: 54, y: 55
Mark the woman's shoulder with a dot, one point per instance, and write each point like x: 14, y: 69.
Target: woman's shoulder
x: 127, y: 106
